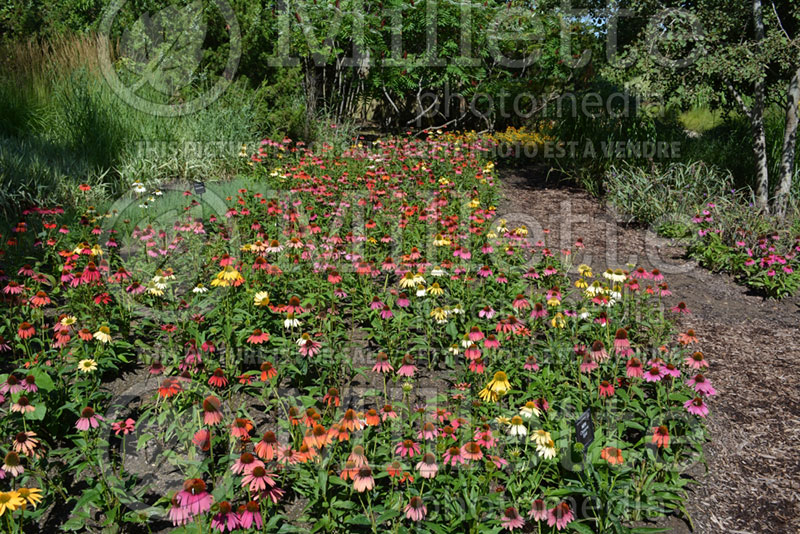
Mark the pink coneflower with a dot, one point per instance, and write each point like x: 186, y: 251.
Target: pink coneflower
x: 225, y: 518
x: 246, y: 463
x: 702, y: 385
x: 680, y: 307
x: 606, y: 388
x: 217, y: 378
x: 621, y: 343
x: 695, y: 361
x: 542, y: 404
x: 406, y: 448
x: 656, y: 275
x: 363, y: 480
x: 531, y: 364
x: 696, y: 406
x: 559, y: 516
x: 257, y: 479
x: 125, y: 427
x: 211, y: 413
x: 633, y: 369
x: 250, y: 516
x: 428, y: 432
x: 427, y: 466
x: 403, y: 301
x: 415, y: 509
x: 382, y: 364
x: 671, y: 370
x: 88, y: 419
x: 487, y: 312
x: 11, y: 385
x: 13, y: 288
x: 22, y: 405
x: 453, y: 456
x: 538, y: 311
x: 287, y: 456
x: 511, y: 519
x: 688, y: 337
x: 491, y: 342
x: 29, y: 384
x: 194, y: 498
x: 26, y: 443
x: 475, y: 334
x: 588, y: 364
x: 598, y: 351
x: 407, y: 368
x: 538, y: 510
x: 472, y: 352
x: 12, y: 464
x: 307, y: 346
x: 387, y: 412
x: 472, y: 451
x: 654, y: 373
x: 178, y: 514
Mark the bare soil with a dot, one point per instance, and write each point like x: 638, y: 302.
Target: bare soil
x: 752, y: 484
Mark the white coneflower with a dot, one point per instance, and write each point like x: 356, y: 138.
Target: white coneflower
x: 291, y: 321
x: 103, y: 334
x: 517, y: 427
x: 529, y: 410
x: 421, y: 291
x: 548, y: 450
x: 138, y: 187
x: 199, y: 288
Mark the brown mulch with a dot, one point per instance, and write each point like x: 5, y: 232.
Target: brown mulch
x: 752, y: 484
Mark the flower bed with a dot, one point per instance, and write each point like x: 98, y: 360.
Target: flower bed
x: 347, y: 342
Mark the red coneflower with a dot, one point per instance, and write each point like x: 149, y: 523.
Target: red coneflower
x: 22, y: 405
x: 331, y: 398
x: 415, y: 509
x: 654, y: 374
x: 202, y: 439
x: 258, y: 337
x: 211, y: 412
x: 661, y: 436
x: 358, y: 456
x: 11, y: 385
x: 178, y: 514
x: 217, y: 378
x: 606, y: 388
x: 26, y: 330
x: 621, y: 343
x: 428, y: 432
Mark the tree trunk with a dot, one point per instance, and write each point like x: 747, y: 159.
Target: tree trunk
x: 757, y: 121
x: 310, y: 90
x: 789, y: 142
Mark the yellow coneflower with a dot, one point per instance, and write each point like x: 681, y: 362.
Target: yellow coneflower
x: 230, y: 274
x: 261, y: 299
x: 408, y: 280
x: 488, y: 395
x: 558, y: 320
x: 68, y: 320
x: 585, y: 271
x: 520, y: 231
x: 10, y: 500
x: 441, y: 241
x: 435, y: 290
x: 32, y: 496
x: 499, y: 384
x: 580, y: 283
x: 103, y: 334
x: 439, y: 314
x: 87, y: 365
x: 474, y: 203
x: 97, y: 251
x: 553, y: 302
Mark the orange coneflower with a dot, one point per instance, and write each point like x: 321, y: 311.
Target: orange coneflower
x: 688, y: 337
x: 612, y: 455
x: 349, y: 471
x: 350, y: 421
x: 317, y: 436
x: 661, y: 436
x: 40, y: 299
x: 217, y: 378
x: 241, y: 428
x: 169, y: 387
x: 372, y: 417
x: 26, y: 330
x: 267, y: 448
x: 268, y: 371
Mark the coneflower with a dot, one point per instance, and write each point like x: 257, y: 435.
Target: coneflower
x: 511, y: 519
x: 415, y: 509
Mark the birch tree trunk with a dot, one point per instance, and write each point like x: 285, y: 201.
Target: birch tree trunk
x: 789, y: 143
x: 757, y: 121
